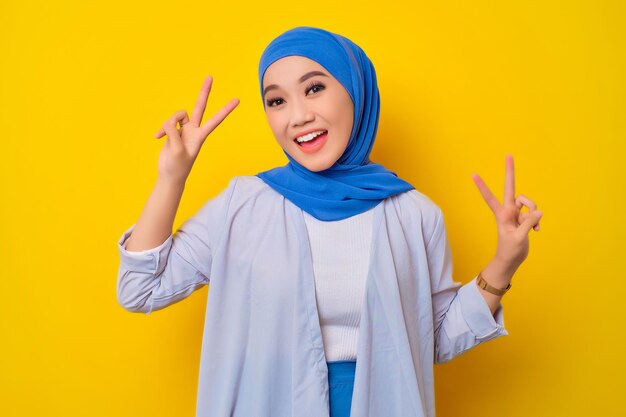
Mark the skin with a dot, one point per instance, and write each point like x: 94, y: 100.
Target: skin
x: 513, y: 229
x: 295, y: 108
x: 183, y: 145
x: 298, y: 109
x: 175, y: 161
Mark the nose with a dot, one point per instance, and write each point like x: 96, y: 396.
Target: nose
x: 301, y: 113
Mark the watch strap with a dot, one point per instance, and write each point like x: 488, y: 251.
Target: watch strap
x: 480, y: 281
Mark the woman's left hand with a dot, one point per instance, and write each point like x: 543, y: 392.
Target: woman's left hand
x: 513, y: 224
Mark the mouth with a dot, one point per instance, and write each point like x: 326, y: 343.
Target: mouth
x: 313, y: 140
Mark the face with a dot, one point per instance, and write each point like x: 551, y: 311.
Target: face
x: 303, y: 99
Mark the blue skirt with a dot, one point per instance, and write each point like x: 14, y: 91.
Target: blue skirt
x: 340, y: 385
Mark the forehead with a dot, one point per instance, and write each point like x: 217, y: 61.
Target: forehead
x: 289, y: 69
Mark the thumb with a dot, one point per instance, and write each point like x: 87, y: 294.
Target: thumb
x: 531, y: 221
x: 173, y: 137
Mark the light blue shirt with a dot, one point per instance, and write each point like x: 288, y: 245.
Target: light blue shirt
x: 262, y: 353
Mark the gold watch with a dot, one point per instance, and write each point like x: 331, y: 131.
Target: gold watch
x: 483, y: 284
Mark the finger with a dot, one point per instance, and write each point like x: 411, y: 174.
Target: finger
x: 491, y: 200
x: 178, y: 117
x: 173, y: 138
x: 524, y: 216
x: 531, y: 221
x: 509, y: 182
x: 198, y: 110
x: 521, y: 218
x: 522, y: 200
x: 181, y: 118
x: 218, y: 117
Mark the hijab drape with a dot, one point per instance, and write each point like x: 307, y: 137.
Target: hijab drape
x: 353, y: 184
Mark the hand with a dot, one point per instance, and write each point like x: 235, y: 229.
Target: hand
x: 513, y: 225
x: 182, y: 146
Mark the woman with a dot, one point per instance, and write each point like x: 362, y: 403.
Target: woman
x: 312, y: 265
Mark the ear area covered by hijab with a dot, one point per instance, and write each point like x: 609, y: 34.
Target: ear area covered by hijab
x: 354, y: 184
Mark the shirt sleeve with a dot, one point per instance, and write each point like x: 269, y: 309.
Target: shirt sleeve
x: 155, y: 278
x: 462, y: 317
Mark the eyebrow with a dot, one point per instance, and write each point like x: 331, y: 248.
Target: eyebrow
x: 301, y: 80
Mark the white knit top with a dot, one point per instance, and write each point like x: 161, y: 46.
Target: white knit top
x: 341, y: 252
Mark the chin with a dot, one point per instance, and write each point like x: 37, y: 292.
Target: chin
x: 316, y: 167
x: 315, y: 164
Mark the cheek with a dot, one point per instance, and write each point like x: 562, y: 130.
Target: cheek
x: 274, y: 123
x: 348, y: 120
x: 346, y: 113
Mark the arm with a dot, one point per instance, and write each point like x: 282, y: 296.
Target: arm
x: 462, y: 317
x: 513, y: 228
x: 473, y: 316
x: 152, y: 277
x: 155, y: 278
x: 499, y: 275
x: 156, y: 220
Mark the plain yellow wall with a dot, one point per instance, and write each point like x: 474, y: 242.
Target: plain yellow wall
x: 84, y: 86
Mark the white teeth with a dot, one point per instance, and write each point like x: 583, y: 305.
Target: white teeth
x: 310, y: 136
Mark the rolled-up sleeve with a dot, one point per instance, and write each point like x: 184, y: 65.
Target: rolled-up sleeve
x: 462, y: 316
x: 155, y: 278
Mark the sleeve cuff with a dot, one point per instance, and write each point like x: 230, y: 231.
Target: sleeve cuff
x: 150, y: 260
x: 478, y: 315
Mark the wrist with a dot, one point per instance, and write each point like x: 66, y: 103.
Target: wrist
x: 499, y: 273
x: 171, y: 184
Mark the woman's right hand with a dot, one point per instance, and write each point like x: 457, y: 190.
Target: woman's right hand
x: 183, y: 145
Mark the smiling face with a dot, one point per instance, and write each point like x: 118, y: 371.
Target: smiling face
x: 302, y: 100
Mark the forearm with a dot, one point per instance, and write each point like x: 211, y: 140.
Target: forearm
x: 157, y: 218
x: 498, y: 275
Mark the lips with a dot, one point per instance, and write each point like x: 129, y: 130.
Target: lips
x: 295, y: 139
x: 314, y: 145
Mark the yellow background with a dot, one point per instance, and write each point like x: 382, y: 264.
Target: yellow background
x: 84, y: 86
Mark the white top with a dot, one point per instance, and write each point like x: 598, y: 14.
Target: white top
x: 262, y: 353
x: 341, y: 254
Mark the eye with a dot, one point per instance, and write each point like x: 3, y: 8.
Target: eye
x: 274, y: 102
x: 315, y: 86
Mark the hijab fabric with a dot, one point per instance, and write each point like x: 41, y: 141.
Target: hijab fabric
x: 353, y: 184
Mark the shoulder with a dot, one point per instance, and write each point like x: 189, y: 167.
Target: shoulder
x: 248, y: 185
x: 417, y: 211
x: 416, y: 203
x: 251, y: 190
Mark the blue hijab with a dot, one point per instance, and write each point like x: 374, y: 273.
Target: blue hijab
x: 353, y: 184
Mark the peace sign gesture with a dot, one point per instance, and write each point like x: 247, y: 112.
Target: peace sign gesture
x: 183, y: 145
x: 513, y: 224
